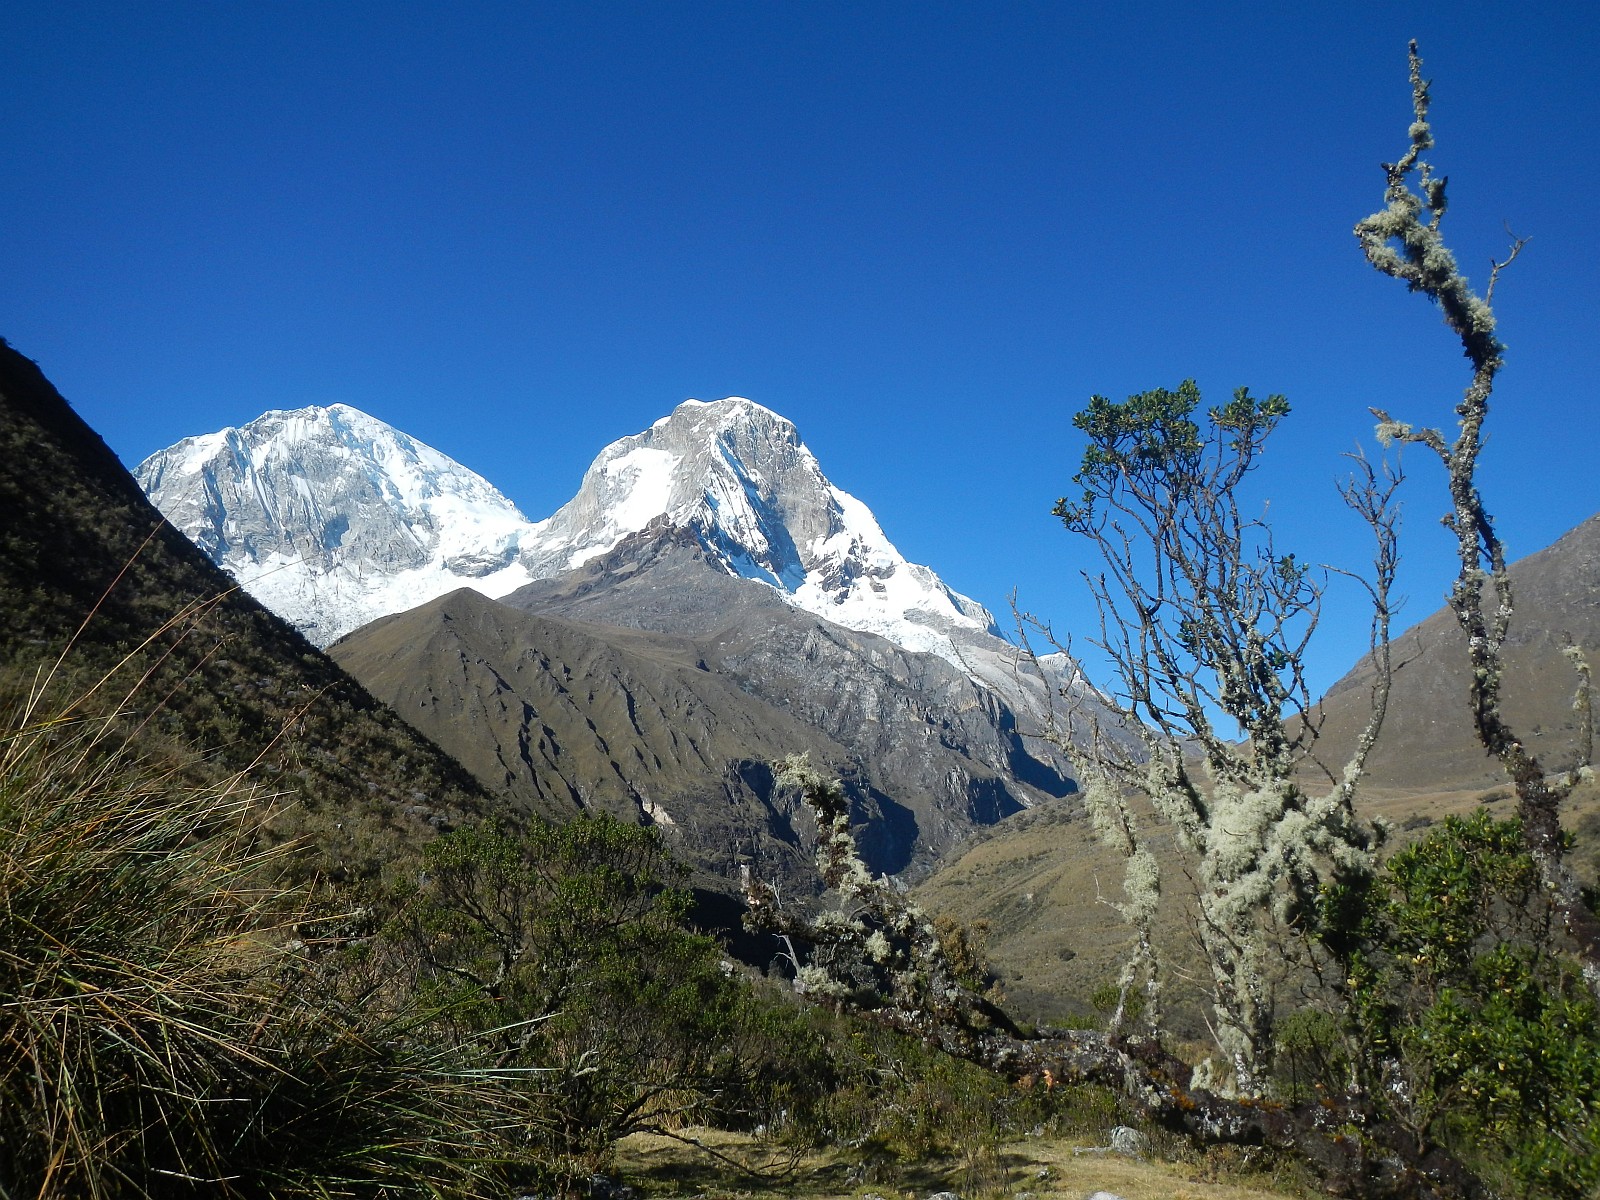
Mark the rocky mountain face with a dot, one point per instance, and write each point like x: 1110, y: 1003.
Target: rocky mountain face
x: 556, y: 713
x: 944, y: 744
x: 332, y: 518
x: 668, y: 525
x: 653, y: 684
x: 929, y: 753
x: 714, y: 532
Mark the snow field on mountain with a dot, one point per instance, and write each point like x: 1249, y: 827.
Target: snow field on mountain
x: 333, y: 518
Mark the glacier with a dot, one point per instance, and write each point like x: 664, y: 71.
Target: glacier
x: 333, y: 518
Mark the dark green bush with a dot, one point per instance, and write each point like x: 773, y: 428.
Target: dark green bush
x: 1309, y: 1056
x: 561, y: 953
x: 898, y: 1101
x: 1473, y: 1026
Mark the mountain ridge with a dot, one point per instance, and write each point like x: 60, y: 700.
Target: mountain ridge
x: 928, y: 754
x: 715, y: 524
x: 334, y: 518
x: 91, y: 580
x: 1428, y: 737
x: 632, y: 723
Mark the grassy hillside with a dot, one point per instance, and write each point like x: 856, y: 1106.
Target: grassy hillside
x: 94, y: 583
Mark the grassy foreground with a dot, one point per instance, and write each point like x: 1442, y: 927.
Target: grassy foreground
x: 1044, y: 1167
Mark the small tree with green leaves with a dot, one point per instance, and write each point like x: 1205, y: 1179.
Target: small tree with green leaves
x: 1205, y: 619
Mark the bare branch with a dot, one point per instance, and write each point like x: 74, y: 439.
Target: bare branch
x: 1496, y: 267
x: 1398, y: 241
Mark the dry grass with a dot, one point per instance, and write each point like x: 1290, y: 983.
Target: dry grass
x: 1046, y: 1167
x: 160, y: 1032
x: 124, y: 932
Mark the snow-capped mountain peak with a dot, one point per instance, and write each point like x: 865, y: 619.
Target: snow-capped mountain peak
x: 333, y: 518
x: 739, y: 476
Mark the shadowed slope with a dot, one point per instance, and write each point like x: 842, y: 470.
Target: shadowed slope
x: 232, y: 682
x: 555, y: 712
x: 945, y: 747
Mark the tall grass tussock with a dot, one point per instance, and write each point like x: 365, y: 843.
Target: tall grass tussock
x: 163, y: 1028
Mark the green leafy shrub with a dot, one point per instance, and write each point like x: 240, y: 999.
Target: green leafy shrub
x: 1475, y: 1029
x: 561, y: 953
x: 897, y: 1102
x: 1309, y: 1055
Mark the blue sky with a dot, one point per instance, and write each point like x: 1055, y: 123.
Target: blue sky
x: 924, y: 232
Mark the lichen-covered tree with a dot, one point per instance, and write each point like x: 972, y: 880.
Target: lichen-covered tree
x: 1205, y: 616
x: 1403, y: 240
x: 878, y: 954
x: 1206, y: 623
x: 877, y: 950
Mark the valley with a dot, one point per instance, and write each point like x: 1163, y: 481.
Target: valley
x: 708, y: 604
x: 647, y: 658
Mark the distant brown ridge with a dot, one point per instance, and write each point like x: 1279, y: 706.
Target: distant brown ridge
x: 1428, y: 742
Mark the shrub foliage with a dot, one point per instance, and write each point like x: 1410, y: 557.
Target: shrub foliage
x: 1471, y: 1027
x: 562, y: 952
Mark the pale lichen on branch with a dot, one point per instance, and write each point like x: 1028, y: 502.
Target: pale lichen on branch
x: 1403, y: 240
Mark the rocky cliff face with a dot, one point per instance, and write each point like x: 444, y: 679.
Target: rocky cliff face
x: 945, y: 746
x: 332, y: 518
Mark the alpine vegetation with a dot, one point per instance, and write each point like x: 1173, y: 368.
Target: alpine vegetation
x: 1421, y: 1025
x: 163, y: 1031
x: 1403, y: 241
x: 1205, y: 618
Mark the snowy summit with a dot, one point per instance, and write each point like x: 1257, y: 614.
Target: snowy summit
x: 740, y: 478
x: 332, y: 519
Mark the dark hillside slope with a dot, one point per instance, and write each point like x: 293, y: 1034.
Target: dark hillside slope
x: 946, y: 749
x: 233, y: 684
x: 553, y: 711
